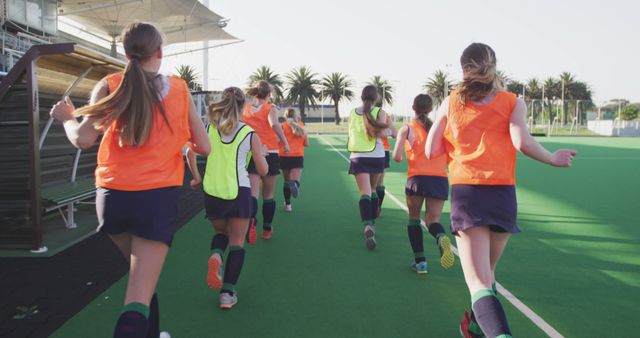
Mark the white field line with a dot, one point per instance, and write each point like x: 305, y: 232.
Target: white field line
x: 535, y: 318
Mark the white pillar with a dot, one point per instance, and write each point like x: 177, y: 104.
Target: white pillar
x: 205, y: 58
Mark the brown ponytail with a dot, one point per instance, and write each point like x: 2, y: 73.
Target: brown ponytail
x: 226, y: 113
x: 261, y: 90
x: 132, y: 104
x: 480, y: 77
x: 369, y: 98
x: 422, y: 106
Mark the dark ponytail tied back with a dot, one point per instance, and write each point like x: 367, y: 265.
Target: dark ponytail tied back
x: 422, y: 106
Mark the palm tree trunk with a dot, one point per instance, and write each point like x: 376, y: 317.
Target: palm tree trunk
x: 303, y: 116
x: 337, y: 117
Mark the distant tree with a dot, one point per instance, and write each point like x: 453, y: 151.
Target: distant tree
x: 302, y: 83
x: 385, y: 90
x: 533, y: 90
x: 579, y: 90
x: 614, y: 106
x: 515, y: 87
x: 629, y: 112
x: 336, y: 87
x: 438, y: 86
x: 264, y: 73
x: 575, y: 92
x: 189, y: 75
x: 551, y: 91
x: 533, y: 96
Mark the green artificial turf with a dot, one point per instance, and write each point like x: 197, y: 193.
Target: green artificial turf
x: 575, y: 263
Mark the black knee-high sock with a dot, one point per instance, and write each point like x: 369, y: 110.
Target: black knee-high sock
x: 490, y: 314
x: 415, y: 239
x: 268, y: 210
x: 219, y: 244
x: 133, y: 322
x: 436, y: 230
x: 154, y: 318
x: 381, y: 192
x: 287, y: 193
x: 232, y: 269
x: 374, y: 205
x: 365, y: 209
x: 254, y: 207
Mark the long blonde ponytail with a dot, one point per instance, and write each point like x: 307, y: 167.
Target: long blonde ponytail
x: 290, y: 116
x: 226, y: 113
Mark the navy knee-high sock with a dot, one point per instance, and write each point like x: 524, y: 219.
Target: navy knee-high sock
x: 490, y: 314
x: 232, y: 269
x: 365, y: 209
x: 415, y: 239
x: 154, y: 318
x: 268, y: 210
x: 436, y: 230
x: 374, y: 205
x: 381, y: 192
x: 133, y: 322
x: 219, y: 244
x: 473, y: 326
x: 287, y: 193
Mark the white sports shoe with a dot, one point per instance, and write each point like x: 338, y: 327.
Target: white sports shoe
x: 227, y: 301
x: 370, y: 236
x: 288, y: 208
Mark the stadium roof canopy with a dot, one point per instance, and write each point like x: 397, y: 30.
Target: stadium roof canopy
x: 180, y: 20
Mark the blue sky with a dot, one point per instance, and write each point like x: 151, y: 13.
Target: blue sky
x: 406, y: 41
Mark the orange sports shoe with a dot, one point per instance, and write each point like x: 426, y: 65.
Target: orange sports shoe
x: 465, y: 332
x: 214, y: 272
x: 253, y: 234
x: 266, y: 234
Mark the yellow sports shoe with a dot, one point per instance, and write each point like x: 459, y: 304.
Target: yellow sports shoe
x: 446, y: 255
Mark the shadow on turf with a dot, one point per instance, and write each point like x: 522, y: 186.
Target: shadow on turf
x: 54, y: 289
x: 559, y: 216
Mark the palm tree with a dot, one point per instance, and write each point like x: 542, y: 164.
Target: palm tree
x: 533, y: 93
x: 566, y: 82
x: 385, y: 90
x: 264, y: 73
x: 551, y: 90
x: 438, y: 86
x: 336, y: 86
x: 189, y: 75
x: 503, y: 75
x: 302, y: 88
